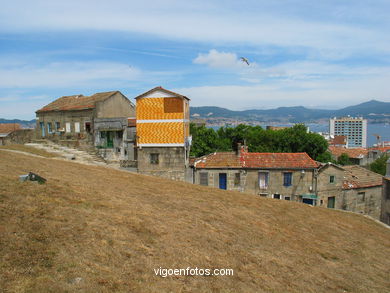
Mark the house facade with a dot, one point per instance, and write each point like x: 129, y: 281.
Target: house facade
x: 98, y: 121
x: 287, y: 176
x: 6, y: 129
x: 163, y: 135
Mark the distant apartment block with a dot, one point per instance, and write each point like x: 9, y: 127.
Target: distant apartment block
x: 354, y: 128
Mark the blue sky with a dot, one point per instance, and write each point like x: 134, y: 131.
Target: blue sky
x: 326, y: 54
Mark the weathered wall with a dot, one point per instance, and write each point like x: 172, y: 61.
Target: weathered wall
x: 63, y: 117
x: 385, y: 203
x: 171, y: 162
x: 249, y: 182
x: 365, y: 201
x: 326, y: 189
x: 115, y: 106
x: 20, y: 136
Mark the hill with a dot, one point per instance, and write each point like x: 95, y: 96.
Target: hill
x: 95, y: 229
x: 24, y: 123
x: 373, y: 110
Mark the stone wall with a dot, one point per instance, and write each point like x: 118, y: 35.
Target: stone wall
x: 171, y: 162
x: 385, y: 203
x: 365, y: 201
x: 63, y: 117
x: 20, y: 136
x: 327, y: 189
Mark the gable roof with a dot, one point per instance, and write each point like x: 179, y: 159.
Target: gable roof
x: 6, y: 128
x: 359, y: 177
x: 160, y: 88
x: 76, y: 102
x: 355, y: 153
x: 256, y: 160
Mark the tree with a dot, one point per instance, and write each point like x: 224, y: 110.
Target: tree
x: 204, y: 140
x: 379, y: 165
x: 343, y: 159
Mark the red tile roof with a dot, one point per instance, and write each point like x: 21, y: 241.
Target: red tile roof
x: 76, y: 102
x: 356, y: 153
x: 256, y: 160
x: 359, y: 177
x: 278, y: 160
x: 338, y: 140
x: 9, y: 127
x: 218, y: 160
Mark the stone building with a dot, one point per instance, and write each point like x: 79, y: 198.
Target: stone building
x: 357, y: 156
x: 329, y: 185
x: 288, y: 176
x: 163, y: 135
x: 385, y: 203
x: 99, y: 120
x: 362, y: 191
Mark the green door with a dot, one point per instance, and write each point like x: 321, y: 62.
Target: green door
x: 110, y: 139
x: 331, y: 202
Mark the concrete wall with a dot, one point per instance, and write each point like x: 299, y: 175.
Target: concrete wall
x: 171, y: 162
x: 115, y: 106
x: 365, y: 201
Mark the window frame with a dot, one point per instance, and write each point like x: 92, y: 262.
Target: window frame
x: 287, y: 179
x: 154, y: 158
x: 266, y: 179
x: 204, y: 178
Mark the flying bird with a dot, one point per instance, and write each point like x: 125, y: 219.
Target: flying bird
x: 243, y: 59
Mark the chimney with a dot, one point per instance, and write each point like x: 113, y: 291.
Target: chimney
x: 241, y: 149
x: 238, y: 152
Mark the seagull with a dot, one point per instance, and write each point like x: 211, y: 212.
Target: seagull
x: 243, y: 59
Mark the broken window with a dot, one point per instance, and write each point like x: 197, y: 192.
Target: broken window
x: 263, y: 180
x: 204, y: 178
x: 88, y: 127
x: 361, y: 196
x: 154, y: 159
x: 237, y: 179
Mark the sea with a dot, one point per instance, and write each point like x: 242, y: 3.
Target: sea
x: 373, y: 129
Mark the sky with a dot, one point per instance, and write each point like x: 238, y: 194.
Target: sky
x: 319, y: 54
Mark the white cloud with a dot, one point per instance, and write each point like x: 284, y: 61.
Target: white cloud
x: 63, y: 74
x: 217, y: 59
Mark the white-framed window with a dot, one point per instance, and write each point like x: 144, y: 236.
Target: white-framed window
x: 77, y: 127
x: 263, y: 180
x: 67, y: 126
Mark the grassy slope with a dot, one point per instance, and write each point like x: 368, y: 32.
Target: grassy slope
x: 28, y: 149
x: 112, y: 228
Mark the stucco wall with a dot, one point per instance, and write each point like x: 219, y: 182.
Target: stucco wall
x: 115, y: 106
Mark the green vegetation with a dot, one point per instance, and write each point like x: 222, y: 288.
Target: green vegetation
x: 344, y: 160
x: 379, y: 165
x: 294, y: 139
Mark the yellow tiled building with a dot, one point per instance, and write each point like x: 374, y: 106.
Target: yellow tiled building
x: 163, y: 136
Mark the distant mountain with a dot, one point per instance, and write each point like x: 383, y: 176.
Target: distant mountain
x: 374, y: 110
x: 23, y: 123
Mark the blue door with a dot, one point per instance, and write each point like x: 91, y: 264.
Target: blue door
x: 222, y: 180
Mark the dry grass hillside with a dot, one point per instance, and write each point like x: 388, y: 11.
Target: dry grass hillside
x: 95, y: 229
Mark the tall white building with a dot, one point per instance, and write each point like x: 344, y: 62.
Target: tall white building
x: 354, y: 128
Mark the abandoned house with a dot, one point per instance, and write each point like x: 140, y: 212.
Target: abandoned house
x: 163, y: 136
x: 385, y: 204
x: 100, y: 121
x: 5, y: 131
x: 287, y: 176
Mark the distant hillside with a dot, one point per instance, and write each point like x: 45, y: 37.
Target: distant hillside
x: 23, y: 123
x: 374, y: 110
x: 77, y: 233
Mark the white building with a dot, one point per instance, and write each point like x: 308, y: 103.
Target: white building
x: 354, y: 128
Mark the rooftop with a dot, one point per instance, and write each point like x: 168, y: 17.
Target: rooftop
x: 160, y: 88
x: 9, y: 127
x: 256, y: 160
x: 355, y: 153
x: 76, y: 102
x: 359, y: 177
